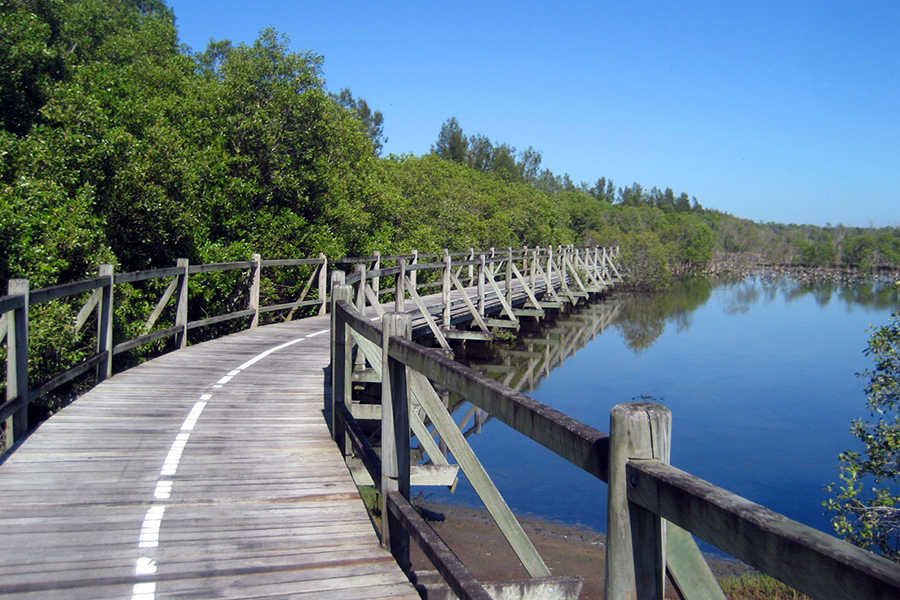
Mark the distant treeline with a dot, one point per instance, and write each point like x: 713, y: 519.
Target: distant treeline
x: 119, y: 145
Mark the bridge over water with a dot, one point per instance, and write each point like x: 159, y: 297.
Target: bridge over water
x: 218, y: 471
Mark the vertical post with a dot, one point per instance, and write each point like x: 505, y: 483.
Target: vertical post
x: 400, y: 288
x: 181, y: 310
x: 445, y: 288
x: 376, y: 281
x: 323, y: 284
x: 394, y: 434
x: 412, y: 274
x: 471, y: 267
x: 509, y: 276
x: 255, y: 273
x: 481, y: 267
x: 105, y: 323
x: 636, y: 538
x: 17, y: 360
x: 341, y: 359
x: 361, y: 289
x: 532, y: 274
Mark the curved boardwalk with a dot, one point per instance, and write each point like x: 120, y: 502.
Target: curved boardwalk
x: 205, y: 473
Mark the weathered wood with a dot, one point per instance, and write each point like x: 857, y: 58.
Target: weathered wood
x: 105, y: 324
x: 253, y: 301
x: 181, y: 308
x: 66, y: 289
x: 539, y: 588
x: 212, y: 268
x: 323, y: 283
x: 578, y: 443
x: 82, y: 316
x: 688, y: 569
x: 477, y: 475
x: 808, y: 560
x: 17, y: 359
x: 394, y: 433
x: 341, y: 361
x: 635, y: 537
x: 454, y: 572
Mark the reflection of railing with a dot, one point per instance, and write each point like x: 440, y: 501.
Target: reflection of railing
x: 653, y: 507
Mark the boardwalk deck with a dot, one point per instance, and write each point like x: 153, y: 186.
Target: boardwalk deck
x: 206, y: 473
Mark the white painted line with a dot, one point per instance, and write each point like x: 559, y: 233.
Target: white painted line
x: 145, y: 566
x: 150, y: 528
x: 144, y: 591
x: 262, y: 355
x: 163, y: 490
x: 149, y: 537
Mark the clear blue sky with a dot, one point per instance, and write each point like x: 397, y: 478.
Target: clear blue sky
x: 785, y: 111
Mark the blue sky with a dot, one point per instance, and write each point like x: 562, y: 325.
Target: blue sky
x: 785, y: 111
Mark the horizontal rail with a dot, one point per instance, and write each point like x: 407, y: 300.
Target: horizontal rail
x: 66, y: 376
x: 10, y: 407
x: 292, y: 262
x: 135, y: 276
x: 289, y: 305
x: 422, y: 266
x: 10, y: 303
x: 244, y: 264
x: 580, y: 444
x: 454, y: 572
x: 66, y: 289
x: 146, y: 339
x: 221, y: 318
x: 808, y: 560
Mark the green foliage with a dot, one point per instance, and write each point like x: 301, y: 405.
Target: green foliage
x: 646, y: 261
x: 866, y: 505
x: 756, y: 586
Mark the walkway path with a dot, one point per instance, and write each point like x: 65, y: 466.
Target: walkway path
x: 205, y: 473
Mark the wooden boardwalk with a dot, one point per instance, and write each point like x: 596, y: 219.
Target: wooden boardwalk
x: 205, y: 473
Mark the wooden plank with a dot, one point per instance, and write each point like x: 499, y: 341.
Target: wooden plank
x: 808, y: 560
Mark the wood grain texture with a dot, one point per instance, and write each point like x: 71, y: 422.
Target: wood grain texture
x: 261, y: 503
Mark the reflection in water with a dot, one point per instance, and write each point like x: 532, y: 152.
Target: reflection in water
x: 642, y: 318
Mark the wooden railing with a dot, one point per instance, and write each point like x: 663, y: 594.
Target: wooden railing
x: 653, y: 507
x: 100, y: 305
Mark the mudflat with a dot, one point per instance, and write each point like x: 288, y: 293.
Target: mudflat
x: 567, y: 549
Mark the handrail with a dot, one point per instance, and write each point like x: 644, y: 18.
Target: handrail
x: 651, y: 492
x: 13, y: 307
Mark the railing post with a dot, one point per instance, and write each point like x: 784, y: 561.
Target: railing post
x: 341, y: 359
x: 323, y: 284
x: 105, y: 323
x: 481, y: 267
x: 509, y: 276
x: 636, y: 538
x: 376, y: 281
x: 412, y: 274
x: 445, y: 288
x: 255, y: 273
x: 471, y: 267
x: 181, y: 311
x: 395, y: 457
x: 400, y: 287
x: 17, y: 360
x: 361, y: 288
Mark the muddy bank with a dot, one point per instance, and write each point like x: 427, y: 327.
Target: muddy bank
x: 567, y: 549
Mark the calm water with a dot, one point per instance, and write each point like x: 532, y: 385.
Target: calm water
x: 759, y: 375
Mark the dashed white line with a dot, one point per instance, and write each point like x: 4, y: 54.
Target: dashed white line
x: 149, y: 537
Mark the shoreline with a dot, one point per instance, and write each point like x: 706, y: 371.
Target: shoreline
x: 568, y: 550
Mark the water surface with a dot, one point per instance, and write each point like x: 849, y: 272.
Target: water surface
x: 760, y: 375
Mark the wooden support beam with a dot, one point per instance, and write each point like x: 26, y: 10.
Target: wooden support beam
x: 477, y: 475
x: 636, y: 537
x: 395, y: 461
x: 105, y: 323
x: 17, y: 360
x: 181, y: 310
